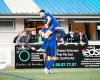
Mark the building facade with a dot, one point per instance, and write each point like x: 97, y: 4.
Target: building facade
x: 75, y: 15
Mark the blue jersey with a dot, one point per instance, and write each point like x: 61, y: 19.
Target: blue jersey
x: 53, y: 20
x: 54, y: 23
x: 52, y: 36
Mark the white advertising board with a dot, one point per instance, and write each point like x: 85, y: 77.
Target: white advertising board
x: 5, y: 57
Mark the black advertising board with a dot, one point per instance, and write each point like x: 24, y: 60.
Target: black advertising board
x: 69, y: 56
x: 26, y: 58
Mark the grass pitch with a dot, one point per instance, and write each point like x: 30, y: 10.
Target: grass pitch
x: 58, y: 74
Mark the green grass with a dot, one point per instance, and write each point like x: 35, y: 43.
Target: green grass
x: 58, y: 74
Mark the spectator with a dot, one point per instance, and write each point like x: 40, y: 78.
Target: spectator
x: 31, y: 38
x: 14, y: 41
x: 69, y: 37
x: 76, y: 37
x: 22, y: 37
x: 83, y: 40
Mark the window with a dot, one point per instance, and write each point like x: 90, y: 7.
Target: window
x: 90, y: 26
x: 7, y: 23
x: 34, y: 24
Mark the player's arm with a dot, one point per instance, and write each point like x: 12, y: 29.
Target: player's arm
x: 47, y: 24
x: 48, y: 21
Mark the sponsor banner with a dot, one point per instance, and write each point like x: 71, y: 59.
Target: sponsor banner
x: 69, y: 56
x: 91, y: 56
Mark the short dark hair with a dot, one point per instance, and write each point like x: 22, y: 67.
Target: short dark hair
x: 41, y: 11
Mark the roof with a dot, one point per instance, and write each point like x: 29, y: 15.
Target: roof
x: 58, y: 7
x: 70, y: 6
x: 3, y: 7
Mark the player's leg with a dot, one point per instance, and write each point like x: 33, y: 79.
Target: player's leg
x: 52, y: 53
x: 47, y: 63
x: 44, y: 57
x: 52, y: 59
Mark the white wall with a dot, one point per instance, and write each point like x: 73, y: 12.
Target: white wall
x: 5, y: 55
x: 6, y: 39
x: 7, y: 35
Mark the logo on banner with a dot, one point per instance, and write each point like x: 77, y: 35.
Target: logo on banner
x: 92, y: 51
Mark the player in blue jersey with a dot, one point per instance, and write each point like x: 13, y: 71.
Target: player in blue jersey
x: 50, y: 50
x: 51, y: 23
x: 50, y: 44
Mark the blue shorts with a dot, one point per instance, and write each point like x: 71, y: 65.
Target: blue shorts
x: 51, y: 48
x: 52, y: 52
